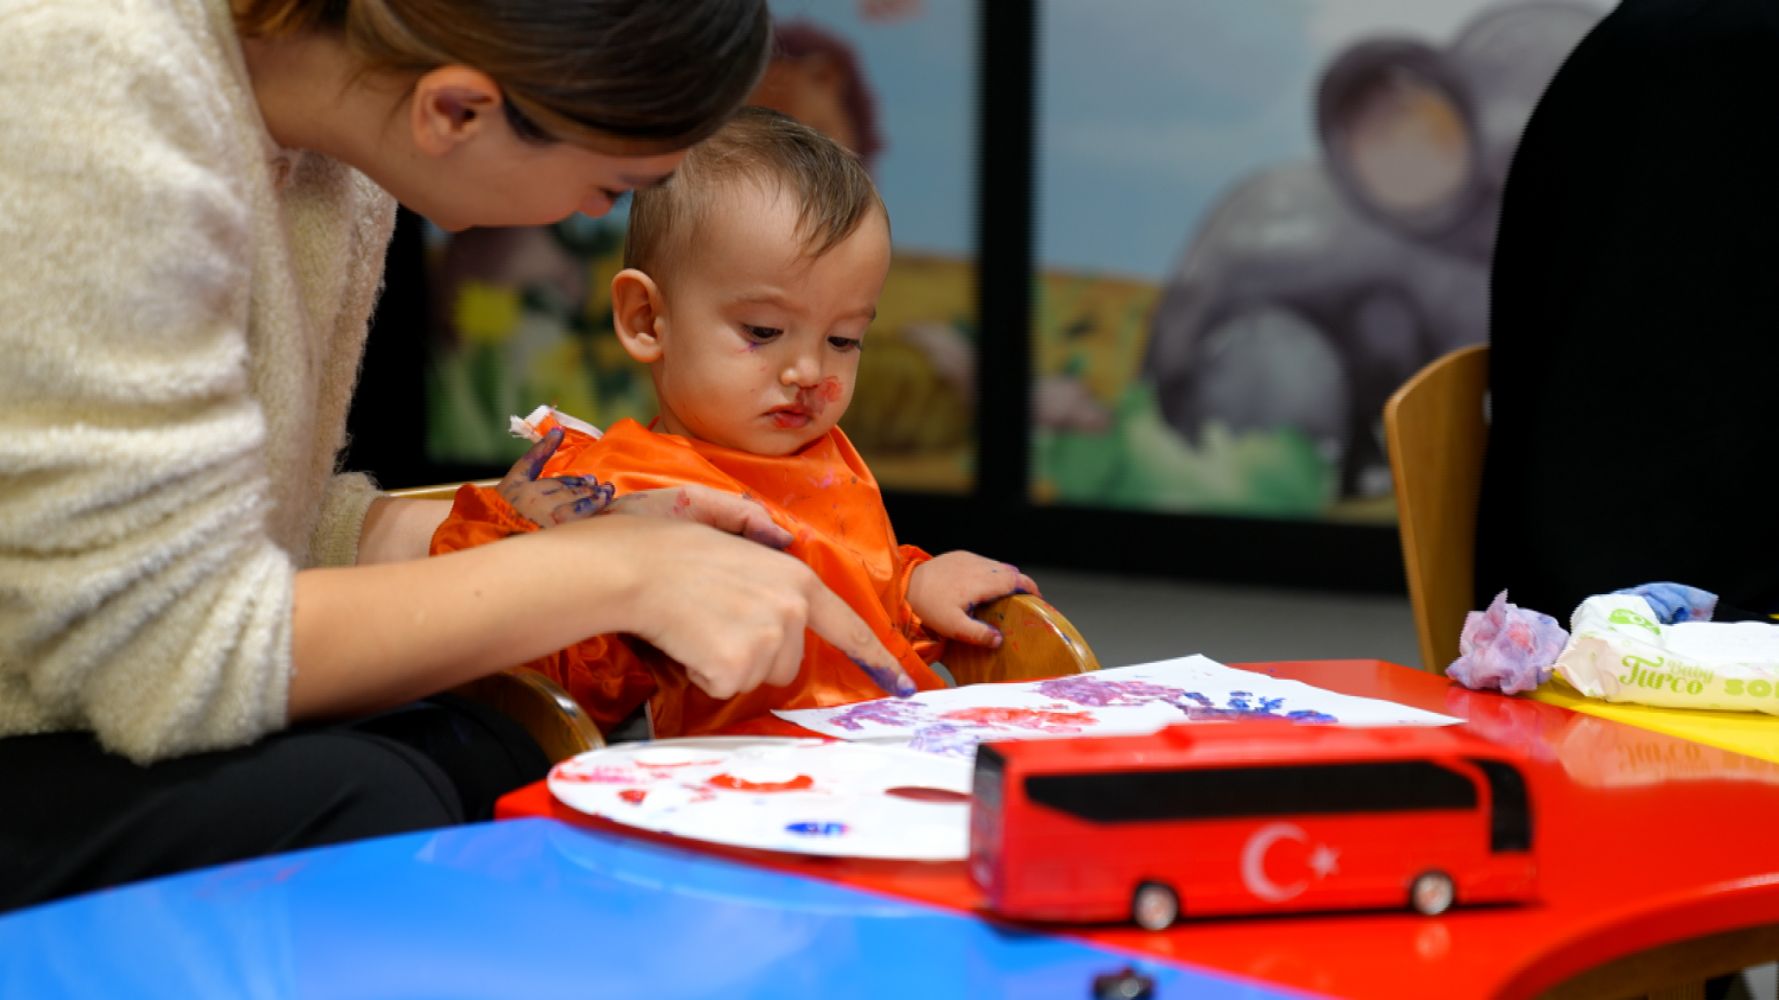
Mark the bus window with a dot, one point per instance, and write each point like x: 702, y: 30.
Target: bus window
x: 1510, y: 828
x: 1229, y: 792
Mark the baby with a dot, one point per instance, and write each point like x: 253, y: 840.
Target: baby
x: 750, y: 280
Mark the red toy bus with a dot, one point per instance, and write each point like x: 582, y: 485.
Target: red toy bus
x: 1244, y: 817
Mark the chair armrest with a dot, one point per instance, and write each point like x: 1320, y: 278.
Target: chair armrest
x: 1036, y: 642
x: 540, y: 706
x: 443, y: 491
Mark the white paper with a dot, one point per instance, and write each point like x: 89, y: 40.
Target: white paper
x: 1119, y: 701
x: 807, y: 796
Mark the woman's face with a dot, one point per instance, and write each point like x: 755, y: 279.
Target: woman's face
x: 502, y: 180
x: 450, y: 153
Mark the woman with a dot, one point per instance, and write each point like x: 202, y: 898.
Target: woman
x: 1631, y: 321
x: 192, y: 228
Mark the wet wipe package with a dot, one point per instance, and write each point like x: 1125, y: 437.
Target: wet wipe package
x: 1619, y: 650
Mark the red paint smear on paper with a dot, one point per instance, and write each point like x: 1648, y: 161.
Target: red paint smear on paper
x: 634, y: 796
x: 1024, y: 718
x: 924, y: 793
x: 734, y: 784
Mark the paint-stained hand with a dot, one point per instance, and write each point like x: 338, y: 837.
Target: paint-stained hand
x: 562, y: 499
x: 944, y: 590
x: 737, y: 515
x: 552, y: 500
x: 734, y: 613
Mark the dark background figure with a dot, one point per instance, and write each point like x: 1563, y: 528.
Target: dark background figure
x: 1635, y: 317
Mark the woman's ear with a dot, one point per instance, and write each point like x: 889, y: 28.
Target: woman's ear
x: 639, y: 314
x: 450, y: 106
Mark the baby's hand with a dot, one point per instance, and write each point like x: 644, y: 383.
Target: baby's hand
x: 944, y: 590
x: 556, y: 500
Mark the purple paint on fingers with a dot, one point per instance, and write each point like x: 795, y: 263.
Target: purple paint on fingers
x: 769, y: 534
x: 541, y: 452
x: 889, y: 680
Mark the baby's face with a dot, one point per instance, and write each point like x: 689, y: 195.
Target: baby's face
x: 759, y: 343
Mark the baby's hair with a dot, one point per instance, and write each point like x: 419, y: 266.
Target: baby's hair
x: 833, y: 191
x: 630, y: 77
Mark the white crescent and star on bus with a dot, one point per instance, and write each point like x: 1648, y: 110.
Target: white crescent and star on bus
x: 1323, y: 862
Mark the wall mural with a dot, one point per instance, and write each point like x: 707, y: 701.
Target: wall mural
x: 1336, y: 169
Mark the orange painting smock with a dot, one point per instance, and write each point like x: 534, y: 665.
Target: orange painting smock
x: 823, y: 495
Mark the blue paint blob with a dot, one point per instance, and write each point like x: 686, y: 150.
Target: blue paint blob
x: 817, y: 828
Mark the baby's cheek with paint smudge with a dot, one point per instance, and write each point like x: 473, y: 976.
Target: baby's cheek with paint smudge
x: 828, y: 390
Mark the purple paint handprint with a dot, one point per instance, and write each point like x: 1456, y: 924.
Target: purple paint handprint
x: 946, y: 740
x: 1095, y: 692
x: 882, y: 712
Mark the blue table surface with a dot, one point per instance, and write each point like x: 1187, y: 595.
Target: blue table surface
x: 537, y: 908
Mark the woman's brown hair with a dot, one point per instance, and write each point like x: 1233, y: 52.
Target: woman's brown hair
x: 627, y: 76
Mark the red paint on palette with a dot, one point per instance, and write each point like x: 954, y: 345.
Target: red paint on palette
x: 734, y: 784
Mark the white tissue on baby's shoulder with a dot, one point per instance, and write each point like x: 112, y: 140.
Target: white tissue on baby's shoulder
x: 526, y: 426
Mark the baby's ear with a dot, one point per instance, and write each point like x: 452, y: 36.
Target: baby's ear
x: 638, y: 314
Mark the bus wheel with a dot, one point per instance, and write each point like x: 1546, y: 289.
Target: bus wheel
x: 1431, y: 893
x: 1154, y: 906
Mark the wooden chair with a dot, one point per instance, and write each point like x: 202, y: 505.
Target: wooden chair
x: 1436, y: 428
x: 1037, y: 642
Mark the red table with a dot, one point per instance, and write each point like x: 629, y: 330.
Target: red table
x: 1657, y: 869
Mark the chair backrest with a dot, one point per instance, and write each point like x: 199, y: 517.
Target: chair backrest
x: 540, y: 706
x: 1435, y: 428
x: 1037, y: 642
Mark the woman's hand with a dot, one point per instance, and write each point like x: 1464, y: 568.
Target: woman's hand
x: 733, y: 612
x: 556, y: 499
x: 944, y: 590
x: 737, y: 515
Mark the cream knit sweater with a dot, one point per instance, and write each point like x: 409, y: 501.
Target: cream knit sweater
x: 182, y: 313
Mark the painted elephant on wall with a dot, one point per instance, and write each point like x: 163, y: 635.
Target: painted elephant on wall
x: 1312, y: 290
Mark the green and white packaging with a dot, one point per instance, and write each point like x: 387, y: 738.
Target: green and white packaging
x: 1618, y: 651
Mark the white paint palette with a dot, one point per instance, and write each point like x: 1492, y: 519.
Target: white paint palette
x: 806, y: 796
